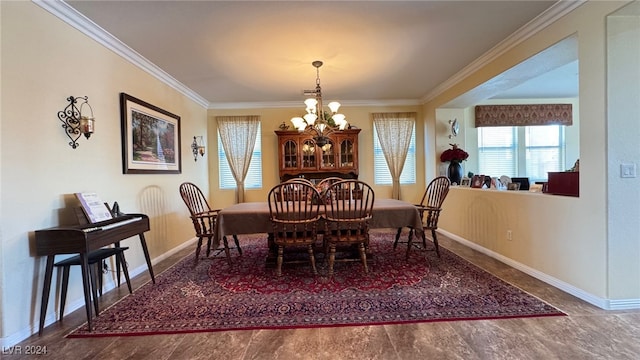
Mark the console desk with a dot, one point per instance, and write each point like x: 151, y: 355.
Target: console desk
x: 82, y: 239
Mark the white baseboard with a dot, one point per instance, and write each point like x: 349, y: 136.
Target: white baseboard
x: 109, y: 284
x: 606, y: 304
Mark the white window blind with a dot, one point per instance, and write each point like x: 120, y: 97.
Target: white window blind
x: 254, y: 175
x: 381, y: 173
x: 497, y: 151
x: 544, y: 150
x: 525, y: 151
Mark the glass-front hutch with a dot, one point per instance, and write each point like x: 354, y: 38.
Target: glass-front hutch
x: 299, y: 155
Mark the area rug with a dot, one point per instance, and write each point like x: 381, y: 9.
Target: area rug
x: 214, y: 296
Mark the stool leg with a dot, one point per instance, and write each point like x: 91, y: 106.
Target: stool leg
x: 94, y: 292
x: 65, y: 286
x: 99, y: 275
x: 120, y: 256
x: 119, y: 265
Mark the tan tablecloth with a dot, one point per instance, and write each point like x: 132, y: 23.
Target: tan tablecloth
x: 253, y: 217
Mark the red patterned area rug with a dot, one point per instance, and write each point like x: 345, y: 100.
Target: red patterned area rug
x: 214, y: 296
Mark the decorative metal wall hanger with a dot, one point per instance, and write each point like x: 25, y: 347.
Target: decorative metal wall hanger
x: 74, y: 122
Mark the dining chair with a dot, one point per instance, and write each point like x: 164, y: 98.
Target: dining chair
x: 95, y: 260
x: 294, y: 211
x: 204, y: 220
x: 326, y: 182
x: 301, y: 180
x: 429, y: 208
x: 347, y: 215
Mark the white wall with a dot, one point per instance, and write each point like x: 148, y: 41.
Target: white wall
x: 623, y: 132
x: 44, y: 61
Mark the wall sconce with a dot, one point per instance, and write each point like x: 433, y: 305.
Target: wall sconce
x: 454, y: 127
x: 197, y: 146
x: 74, y: 122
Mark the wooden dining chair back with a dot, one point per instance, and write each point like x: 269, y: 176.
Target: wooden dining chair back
x: 204, y: 220
x: 348, y: 212
x: 294, y: 211
x: 300, y: 180
x: 323, y: 185
x: 430, y: 208
x: 326, y: 182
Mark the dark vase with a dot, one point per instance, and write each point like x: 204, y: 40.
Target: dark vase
x: 455, y: 172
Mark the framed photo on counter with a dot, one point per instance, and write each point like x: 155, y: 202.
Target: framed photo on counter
x: 477, y: 181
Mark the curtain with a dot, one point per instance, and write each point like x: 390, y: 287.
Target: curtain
x: 238, y: 135
x: 394, y: 133
x: 524, y: 115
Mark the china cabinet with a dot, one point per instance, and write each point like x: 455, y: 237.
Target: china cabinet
x: 300, y: 156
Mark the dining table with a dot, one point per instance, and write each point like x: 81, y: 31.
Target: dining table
x: 254, y: 217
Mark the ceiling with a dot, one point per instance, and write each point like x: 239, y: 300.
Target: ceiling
x: 243, y: 52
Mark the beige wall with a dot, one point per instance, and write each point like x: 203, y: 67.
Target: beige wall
x: 271, y: 118
x: 562, y: 238
x: 44, y: 61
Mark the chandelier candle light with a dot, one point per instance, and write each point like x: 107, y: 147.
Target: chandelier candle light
x: 316, y: 121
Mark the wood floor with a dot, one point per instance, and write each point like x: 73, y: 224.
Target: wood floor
x: 587, y: 333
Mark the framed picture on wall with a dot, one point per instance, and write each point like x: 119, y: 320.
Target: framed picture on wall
x: 150, y: 138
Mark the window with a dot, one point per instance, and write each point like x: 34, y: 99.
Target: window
x: 254, y: 175
x: 382, y: 176
x: 523, y: 151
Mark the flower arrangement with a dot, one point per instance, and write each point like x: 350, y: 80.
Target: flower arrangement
x: 454, y: 154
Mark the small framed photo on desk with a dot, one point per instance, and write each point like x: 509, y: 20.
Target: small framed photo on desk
x: 477, y: 181
x: 514, y: 186
x: 465, y: 182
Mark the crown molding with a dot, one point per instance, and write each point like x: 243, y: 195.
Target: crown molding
x: 72, y: 17
x: 299, y: 104
x: 551, y: 15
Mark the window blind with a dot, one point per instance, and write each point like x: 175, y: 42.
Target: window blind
x: 254, y: 175
x: 527, y: 151
x: 382, y: 176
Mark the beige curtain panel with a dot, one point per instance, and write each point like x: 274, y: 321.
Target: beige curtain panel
x: 524, y: 115
x: 394, y: 133
x: 238, y: 134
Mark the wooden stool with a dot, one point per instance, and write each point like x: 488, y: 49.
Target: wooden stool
x: 95, y: 262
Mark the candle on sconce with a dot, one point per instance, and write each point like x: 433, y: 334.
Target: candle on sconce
x: 87, y: 125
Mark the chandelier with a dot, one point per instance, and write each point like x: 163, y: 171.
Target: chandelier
x: 316, y: 121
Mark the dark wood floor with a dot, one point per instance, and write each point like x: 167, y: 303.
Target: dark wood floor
x: 587, y: 333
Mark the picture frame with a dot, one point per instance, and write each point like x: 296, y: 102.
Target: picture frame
x: 514, y: 186
x: 477, y: 181
x: 465, y: 182
x: 150, y: 138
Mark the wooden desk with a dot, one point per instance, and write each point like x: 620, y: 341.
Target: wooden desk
x: 82, y: 239
x: 253, y: 217
x: 564, y: 183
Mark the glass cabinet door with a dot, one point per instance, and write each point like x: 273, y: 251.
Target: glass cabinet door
x: 290, y: 154
x: 328, y: 160
x: 308, y: 154
x: 346, y: 153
